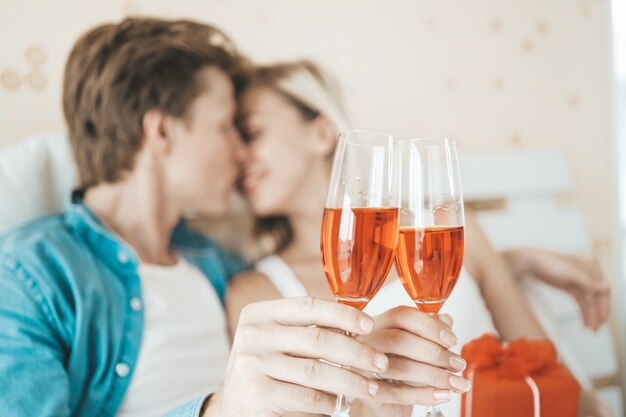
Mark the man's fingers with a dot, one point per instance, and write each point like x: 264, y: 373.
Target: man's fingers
x: 320, y: 376
x: 308, y: 311
x: 296, y: 398
x: 320, y: 343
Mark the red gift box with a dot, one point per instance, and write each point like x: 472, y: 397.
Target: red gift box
x: 520, y: 379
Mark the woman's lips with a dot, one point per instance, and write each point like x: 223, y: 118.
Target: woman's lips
x: 252, y: 181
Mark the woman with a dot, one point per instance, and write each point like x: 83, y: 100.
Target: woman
x: 290, y: 115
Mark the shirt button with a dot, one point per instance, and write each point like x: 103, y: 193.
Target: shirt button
x: 136, y: 304
x: 122, y: 257
x: 121, y: 369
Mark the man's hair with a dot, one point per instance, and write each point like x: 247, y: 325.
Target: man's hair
x: 116, y: 73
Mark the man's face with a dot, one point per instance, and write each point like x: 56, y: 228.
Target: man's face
x: 206, y: 147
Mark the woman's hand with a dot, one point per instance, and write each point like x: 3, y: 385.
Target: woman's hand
x: 421, y: 368
x: 580, y: 277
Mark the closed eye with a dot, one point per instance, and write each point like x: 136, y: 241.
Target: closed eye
x: 250, y: 136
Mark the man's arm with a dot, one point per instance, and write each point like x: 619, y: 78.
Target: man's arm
x: 32, y: 373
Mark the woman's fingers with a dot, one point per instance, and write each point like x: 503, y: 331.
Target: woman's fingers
x: 420, y: 374
x: 586, y: 305
x: 593, y: 290
x: 603, y: 293
x: 419, y: 323
x: 394, y: 393
x: 403, y: 343
x: 446, y: 319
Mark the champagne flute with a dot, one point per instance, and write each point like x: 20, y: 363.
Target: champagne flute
x: 360, y: 223
x: 431, y: 243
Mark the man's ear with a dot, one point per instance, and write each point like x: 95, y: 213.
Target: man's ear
x: 326, y: 137
x: 158, y: 131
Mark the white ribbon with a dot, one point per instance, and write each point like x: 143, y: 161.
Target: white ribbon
x: 468, y: 398
x: 536, y: 399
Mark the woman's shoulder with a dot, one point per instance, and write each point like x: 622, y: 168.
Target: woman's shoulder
x: 247, y: 287
x: 253, y: 284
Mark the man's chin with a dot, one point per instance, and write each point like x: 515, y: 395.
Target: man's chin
x: 205, y: 212
x: 213, y: 210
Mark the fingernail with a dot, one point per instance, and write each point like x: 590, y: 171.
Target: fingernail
x: 460, y: 384
x: 447, y: 338
x: 457, y: 363
x: 381, y: 361
x: 442, y: 395
x: 366, y: 324
x: 372, y: 388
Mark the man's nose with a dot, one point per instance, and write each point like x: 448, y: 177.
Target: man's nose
x: 240, y: 150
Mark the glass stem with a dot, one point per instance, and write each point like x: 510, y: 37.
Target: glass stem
x: 342, y: 406
x: 432, y: 411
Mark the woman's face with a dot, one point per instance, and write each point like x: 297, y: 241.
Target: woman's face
x: 283, y: 147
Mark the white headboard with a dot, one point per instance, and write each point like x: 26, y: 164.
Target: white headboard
x: 519, y: 189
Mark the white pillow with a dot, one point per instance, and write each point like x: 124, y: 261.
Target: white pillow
x: 36, y: 178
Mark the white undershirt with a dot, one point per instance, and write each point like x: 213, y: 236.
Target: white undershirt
x: 466, y: 306
x: 185, y: 344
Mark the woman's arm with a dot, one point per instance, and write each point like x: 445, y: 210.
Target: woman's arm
x: 511, y: 312
x: 505, y: 300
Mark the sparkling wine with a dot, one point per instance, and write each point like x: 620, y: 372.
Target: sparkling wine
x: 358, y: 247
x: 429, y: 261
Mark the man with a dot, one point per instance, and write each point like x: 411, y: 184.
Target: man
x: 113, y: 307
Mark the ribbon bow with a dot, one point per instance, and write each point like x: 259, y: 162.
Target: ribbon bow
x: 519, y: 359
x: 515, y: 360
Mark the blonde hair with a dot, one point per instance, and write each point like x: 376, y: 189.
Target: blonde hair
x: 314, y: 92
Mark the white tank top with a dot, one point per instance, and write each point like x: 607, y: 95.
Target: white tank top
x: 185, y: 344
x: 466, y: 306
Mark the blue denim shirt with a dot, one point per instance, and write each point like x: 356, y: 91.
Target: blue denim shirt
x: 71, y: 314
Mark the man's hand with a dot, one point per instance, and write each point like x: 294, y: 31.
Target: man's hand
x: 274, y: 367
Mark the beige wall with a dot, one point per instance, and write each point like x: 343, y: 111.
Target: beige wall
x: 492, y: 74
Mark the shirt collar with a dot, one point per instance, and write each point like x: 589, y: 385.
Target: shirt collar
x: 112, y: 250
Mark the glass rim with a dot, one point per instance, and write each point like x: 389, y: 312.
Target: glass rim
x: 426, y: 141
x: 344, y: 135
